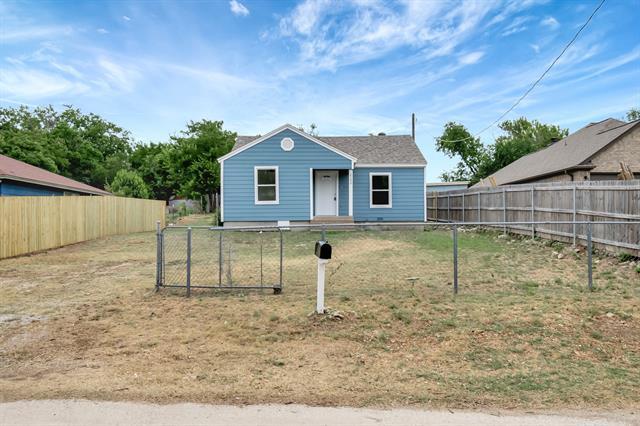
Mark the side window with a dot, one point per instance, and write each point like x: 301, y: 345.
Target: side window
x: 380, y: 190
x: 266, y: 184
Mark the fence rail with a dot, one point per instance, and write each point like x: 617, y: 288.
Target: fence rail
x: 31, y: 224
x: 247, y: 253
x: 591, y: 201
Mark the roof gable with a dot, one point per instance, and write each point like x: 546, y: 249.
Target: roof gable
x: 249, y: 143
x: 13, y: 169
x: 572, y: 152
x: 366, y: 150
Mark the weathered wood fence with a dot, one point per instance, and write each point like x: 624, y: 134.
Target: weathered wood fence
x: 594, y: 201
x: 30, y: 224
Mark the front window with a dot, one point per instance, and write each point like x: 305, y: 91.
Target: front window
x: 380, y: 190
x: 266, y: 185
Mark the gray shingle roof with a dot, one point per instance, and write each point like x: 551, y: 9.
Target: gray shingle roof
x: 574, y: 151
x: 384, y: 149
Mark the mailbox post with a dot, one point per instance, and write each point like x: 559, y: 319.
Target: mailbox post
x: 323, y: 253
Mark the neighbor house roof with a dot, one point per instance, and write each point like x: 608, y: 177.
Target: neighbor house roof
x: 381, y: 149
x: 12, y: 169
x: 570, y: 153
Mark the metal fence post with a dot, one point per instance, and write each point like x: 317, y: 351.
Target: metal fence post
x: 504, y: 211
x: 261, y: 260
x: 426, y: 207
x: 279, y: 290
x: 455, y: 259
x: 189, y: 262
x: 533, y: 212
x: 158, y: 256
x: 220, y: 248
x: 589, y: 257
x: 574, y: 214
x: 463, y: 207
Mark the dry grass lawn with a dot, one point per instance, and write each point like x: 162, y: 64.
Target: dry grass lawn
x: 84, y: 322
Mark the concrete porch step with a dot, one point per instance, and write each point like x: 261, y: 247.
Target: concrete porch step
x: 332, y: 219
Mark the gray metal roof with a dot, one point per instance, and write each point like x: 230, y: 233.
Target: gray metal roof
x: 383, y: 149
x: 572, y: 152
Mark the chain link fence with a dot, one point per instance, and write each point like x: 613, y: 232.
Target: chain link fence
x: 395, y: 257
x: 220, y: 258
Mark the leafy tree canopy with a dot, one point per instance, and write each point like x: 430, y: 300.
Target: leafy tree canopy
x: 633, y: 114
x: 87, y: 148
x: 194, y: 158
x: 521, y: 137
x: 128, y: 183
x: 84, y: 147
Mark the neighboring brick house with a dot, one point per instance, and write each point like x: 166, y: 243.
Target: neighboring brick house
x: 592, y: 153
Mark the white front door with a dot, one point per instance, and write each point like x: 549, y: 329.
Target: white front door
x: 326, y: 201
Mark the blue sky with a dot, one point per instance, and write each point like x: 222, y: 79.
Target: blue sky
x: 352, y: 67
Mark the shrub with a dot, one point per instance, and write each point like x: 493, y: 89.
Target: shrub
x: 625, y: 257
x: 128, y: 183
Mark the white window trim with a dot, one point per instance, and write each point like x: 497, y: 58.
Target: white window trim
x: 350, y: 192
x: 380, y: 206
x: 255, y: 184
x: 311, y: 194
x: 221, y: 192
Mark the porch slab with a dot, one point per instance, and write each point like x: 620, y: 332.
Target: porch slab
x: 331, y: 219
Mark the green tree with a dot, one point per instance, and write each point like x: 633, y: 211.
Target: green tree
x: 457, y: 142
x: 153, y: 163
x: 194, y: 158
x: 521, y: 137
x: 84, y: 147
x: 633, y: 114
x: 128, y: 183
x: 24, y: 136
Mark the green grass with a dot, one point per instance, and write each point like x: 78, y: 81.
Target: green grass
x: 522, y: 332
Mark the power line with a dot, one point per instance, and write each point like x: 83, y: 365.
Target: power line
x: 521, y: 98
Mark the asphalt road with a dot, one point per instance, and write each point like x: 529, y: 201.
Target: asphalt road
x: 97, y: 413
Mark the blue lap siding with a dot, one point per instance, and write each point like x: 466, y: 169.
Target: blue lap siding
x: 407, y: 195
x: 294, y: 202
x: 13, y: 189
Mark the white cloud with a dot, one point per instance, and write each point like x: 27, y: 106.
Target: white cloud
x: 470, y: 58
x: 102, y: 31
x: 516, y: 26
x: 68, y: 69
x: 118, y: 76
x: 535, y: 47
x: 126, y: 18
x: 14, y: 35
x: 238, y: 8
x: 550, y: 22
x: 334, y: 34
x: 36, y: 84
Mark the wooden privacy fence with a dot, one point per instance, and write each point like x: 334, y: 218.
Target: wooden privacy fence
x: 30, y: 224
x: 594, y: 201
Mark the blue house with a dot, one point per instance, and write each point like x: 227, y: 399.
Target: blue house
x: 18, y: 178
x: 289, y: 176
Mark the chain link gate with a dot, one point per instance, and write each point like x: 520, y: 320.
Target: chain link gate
x: 219, y: 258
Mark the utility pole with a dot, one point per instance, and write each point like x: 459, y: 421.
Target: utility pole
x: 413, y: 126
